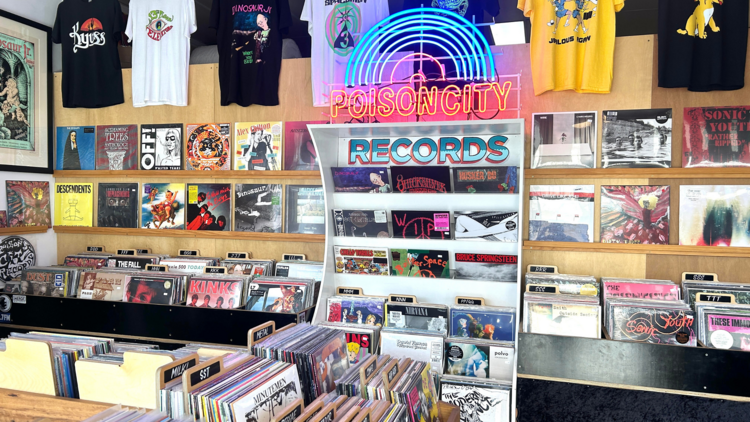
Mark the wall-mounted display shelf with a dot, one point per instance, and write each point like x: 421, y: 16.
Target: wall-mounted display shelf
x: 202, y: 234
x: 640, y: 173
x: 730, y: 252
x: 189, y: 174
x: 9, y: 231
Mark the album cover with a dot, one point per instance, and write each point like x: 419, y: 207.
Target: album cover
x: 102, y: 285
x: 483, y: 322
x: 214, y: 292
x: 356, y: 310
x: 263, y: 403
x: 117, y: 147
x: 44, y: 282
x: 490, y: 267
x: 186, y: 265
x: 417, y: 317
x: 3, y: 219
x: 129, y: 262
x: 149, y: 289
x: 715, y: 137
x: 486, y: 226
x: 563, y: 140
x: 257, y: 208
x: 421, y: 395
x: 421, y: 179
x: 300, y: 269
x: 714, y: 215
x: 305, y: 209
x: 637, y: 138
x: 28, y: 203
x: 361, y: 223
x: 258, y: 146
x: 485, y: 179
x: 563, y: 319
x: 361, y: 179
x: 635, y: 214
x: 477, y: 403
x: 163, y: 206
x: 417, y: 346
x: 359, y: 346
x: 85, y: 261
x: 118, y: 205
x: 76, y: 148
x: 161, y: 147
x: 208, y: 146
x: 299, y: 150
x: 330, y: 362
x: 568, y: 284
x: 271, y: 296
x: 640, y: 289
x: 479, y: 359
x: 209, y: 207
x: 74, y: 204
x: 727, y: 331
x: 369, y: 261
x: 421, y: 224
x: 420, y: 263
x: 561, y: 213
x: 653, y: 325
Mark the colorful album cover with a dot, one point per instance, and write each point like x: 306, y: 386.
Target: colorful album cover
x: 356, y: 310
x: 637, y: 138
x: 76, y: 148
x: 715, y: 137
x: 258, y: 146
x: 422, y: 397
x: 563, y: 140
x: 421, y: 179
x: 561, y: 213
x: 149, y: 289
x: 117, y: 147
x: 102, y: 285
x: 163, y: 206
x: 42, y: 282
x: 368, y: 261
x: 208, y: 146
x: 331, y: 361
x: 359, y: 346
x: 208, y: 292
x: 361, y: 223
x: 74, y: 204
x: 305, y: 209
x: 714, y: 215
x: 420, y: 263
x: 161, y: 147
x: 482, y: 322
x: 28, y: 203
x: 485, y: 179
x: 85, y: 261
x: 272, y: 397
x: 421, y: 224
x: 640, y: 289
x: 416, y: 317
x: 257, y: 208
x: 3, y: 219
x: 209, y: 207
x: 479, y: 360
x: 635, y: 214
x: 118, y: 205
x: 477, y: 403
x: 361, y: 179
x: 299, y: 150
x: 654, y: 325
x: 491, y: 226
x: 490, y: 267
x: 275, y: 297
x: 727, y: 331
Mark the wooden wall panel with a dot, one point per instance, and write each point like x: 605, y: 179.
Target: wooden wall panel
x: 670, y: 267
x: 595, y: 264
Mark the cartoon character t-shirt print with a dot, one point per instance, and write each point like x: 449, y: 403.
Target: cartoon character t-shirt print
x: 702, y: 17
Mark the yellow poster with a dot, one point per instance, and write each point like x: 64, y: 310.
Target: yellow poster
x: 74, y: 204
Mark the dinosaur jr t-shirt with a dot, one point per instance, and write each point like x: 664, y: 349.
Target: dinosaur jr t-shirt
x: 572, y: 44
x: 702, y: 44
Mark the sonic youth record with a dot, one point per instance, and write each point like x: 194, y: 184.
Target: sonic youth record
x: 485, y: 179
x: 421, y: 179
x: 716, y: 136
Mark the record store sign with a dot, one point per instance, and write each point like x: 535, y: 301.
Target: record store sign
x: 16, y: 254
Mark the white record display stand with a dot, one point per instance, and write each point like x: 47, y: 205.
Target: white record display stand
x: 333, y: 147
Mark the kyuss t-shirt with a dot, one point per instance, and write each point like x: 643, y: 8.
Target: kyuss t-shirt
x: 89, y: 32
x: 249, y: 40
x: 572, y: 44
x: 160, y: 32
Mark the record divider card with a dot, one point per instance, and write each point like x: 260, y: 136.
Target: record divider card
x: 291, y: 412
x: 392, y: 373
x: 26, y: 365
x: 311, y: 410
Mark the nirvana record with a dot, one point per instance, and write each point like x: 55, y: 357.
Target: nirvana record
x: 637, y: 138
x: 361, y: 179
x: 361, y: 223
x: 421, y: 179
x: 209, y: 207
x: 563, y: 140
x: 118, y: 205
x: 208, y: 147
x: 485, y: 179
x: 305, y: 209
x: 421, y: 224
x: 258, y: 146
x: 74, y: 204
x: 76, y: 148
x: 299, y: 150
x: 117, y: 147
x: 635, y: 214
x: 486, y: 226
x: 490, y: 267
x: 28, y: 203
x: 715, y: 215
x: 257, y: 208
x: 561, y: 213
x: 161, y: 147
x: 163, y: 206
x: 420, y: 263
x: 369, y: 261
x: 417, y: 317
x: 716, y: 137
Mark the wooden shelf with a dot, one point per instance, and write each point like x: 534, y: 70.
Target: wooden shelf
x: 639, y: 173
x: 190, y: 174
x: 8, y: 231
x: 638, y: 249
x: 22, y: 406
x: 201, y: 234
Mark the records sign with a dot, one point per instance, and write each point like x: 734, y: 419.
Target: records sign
x: 16, y: 254
x: 716, y: 137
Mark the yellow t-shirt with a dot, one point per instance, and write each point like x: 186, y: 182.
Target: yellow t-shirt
x: 572, y: 43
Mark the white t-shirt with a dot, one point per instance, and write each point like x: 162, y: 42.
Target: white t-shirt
x: 160, y: 32
x: 332, y: 24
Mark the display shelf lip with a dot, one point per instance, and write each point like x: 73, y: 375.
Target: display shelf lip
x: 640, y: 173
x: 437, y: 279
x: 191, y: 174
x: 638, y: 249
x: 200, y: 234
x: 9, y: 231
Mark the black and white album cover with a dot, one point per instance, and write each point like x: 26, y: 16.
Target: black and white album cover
x: 637, y: 138
x: 481, y: 266
x: 361, y: 223
x: 257, y: 208
x: 491, y: 226
x: 118, y: 205
x: 161, y: 147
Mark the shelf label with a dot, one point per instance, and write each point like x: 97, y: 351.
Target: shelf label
x: 402, y: 298
x: 465, y: 300
x: 327, y: 414
x: 293, y: 257
x: 542, y: 269
x: 214, y: 270
x: 349, y: 291
x: 541, y: 288
x: 238, y: 255
x: 205, y: 373
x: 157, y: 268
x: 260, y: 332
x: 715, y: 297
x: 367, y: 371
x: 19, y: 299
x: 188, y: 252
x: 129, y: 252
x: 143, y: 251
x: 693, y: 276
x: 312, y: 410
x: 94, y: 248
x: 363, y: 416
x: 175, y: 369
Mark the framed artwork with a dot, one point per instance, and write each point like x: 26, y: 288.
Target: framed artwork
x: 26, y: 128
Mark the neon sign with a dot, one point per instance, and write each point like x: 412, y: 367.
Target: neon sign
x: 447, y: 149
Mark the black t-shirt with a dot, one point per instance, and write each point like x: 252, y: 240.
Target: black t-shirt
x: 700, y: 54
x: 89, y: 32
x: 249, y: 41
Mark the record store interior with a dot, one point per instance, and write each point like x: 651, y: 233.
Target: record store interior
x: 374, y: 210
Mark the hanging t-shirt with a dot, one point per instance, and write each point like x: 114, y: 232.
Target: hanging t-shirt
x: 249, y: 41
x: 336, y: 27
x: 160, y: 32
x: 89, y: 32
x: 702, y: 44
x: 572, y: 44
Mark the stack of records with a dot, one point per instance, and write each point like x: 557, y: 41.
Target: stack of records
x: 161, y: 288
x: 217, y: 291
x: 46, y: 281
x: 104, y: 284
x: 351, y: 382
x: 356, y: 309
x: 640, y: 289
x: 650, y: 321
x: 485, y: 322
x: 726, y: 292
x: 478, y: 400
x: 300, y: 269
x: 566, y: 284
x: 188, y: 265
x: 131, y: 262
x: 280, y: 294
x: 362, y: 340
x: 128, y: 414
x: 418, y: 345
x: 723, y: 326
x: 417, y: 316
x: 82, y: 260
x: 356, y: 260
x: 562, y: 315
x: 248, y: 266
x: 375, y: 388
x: 479, y: 358
x: 417, y: 390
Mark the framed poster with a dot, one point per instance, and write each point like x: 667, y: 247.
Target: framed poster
x: 26, y: 129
